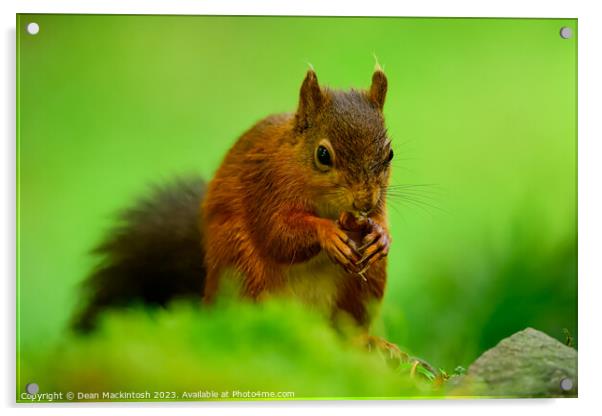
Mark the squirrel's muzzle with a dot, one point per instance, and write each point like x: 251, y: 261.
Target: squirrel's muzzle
x: 365, y: 202
x: 363, y: 206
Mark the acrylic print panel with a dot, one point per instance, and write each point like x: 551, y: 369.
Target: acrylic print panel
x: 403, y: 224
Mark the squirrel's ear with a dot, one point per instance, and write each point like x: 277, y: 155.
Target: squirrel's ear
x: 378, y: 89
x: 310, y: 100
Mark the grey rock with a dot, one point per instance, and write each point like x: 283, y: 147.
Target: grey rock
x: 526, y: 364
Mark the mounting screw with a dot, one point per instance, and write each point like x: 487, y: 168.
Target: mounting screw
x: 566, y: 384
x: 566, y: 32
x: 33, y: 28
x: 32, y: 388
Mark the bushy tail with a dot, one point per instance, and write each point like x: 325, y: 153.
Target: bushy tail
x: 153, y: 255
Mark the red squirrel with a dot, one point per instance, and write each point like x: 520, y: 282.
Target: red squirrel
x: 297, y: 208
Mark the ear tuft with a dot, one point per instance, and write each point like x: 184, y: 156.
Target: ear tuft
x: 377, y: 66
x: 310, y: 100
x: 378, y: 89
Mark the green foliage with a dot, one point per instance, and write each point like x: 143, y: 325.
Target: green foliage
x: 492, y: 293
x: 273, y: 346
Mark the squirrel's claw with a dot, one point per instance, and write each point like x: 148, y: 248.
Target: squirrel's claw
x: 375, y: 247
x: 340, y: 248
x: 369, y: 239
x: 375, y: 251
x: 375, y: 244
x: 393, y: 355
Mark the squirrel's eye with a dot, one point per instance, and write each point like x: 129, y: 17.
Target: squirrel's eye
x: 390, y: 157
x: 323, y: 156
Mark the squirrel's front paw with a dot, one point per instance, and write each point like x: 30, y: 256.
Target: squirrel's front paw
x: 375, y: 246
x: 339, y: 247
x: 391, y: 352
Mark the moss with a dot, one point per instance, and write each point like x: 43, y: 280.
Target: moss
x: 271, y: 347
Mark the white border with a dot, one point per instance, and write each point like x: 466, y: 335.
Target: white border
x: 590, y: 201
x: 509, y: 8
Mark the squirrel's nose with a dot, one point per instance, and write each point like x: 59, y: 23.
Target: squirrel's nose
x: 364, y: 206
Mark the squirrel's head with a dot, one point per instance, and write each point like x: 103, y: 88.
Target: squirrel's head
x: 347, y: 151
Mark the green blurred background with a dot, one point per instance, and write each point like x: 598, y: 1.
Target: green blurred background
x: 481, y: 111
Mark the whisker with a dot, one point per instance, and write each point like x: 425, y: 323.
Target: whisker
x: 421, y: 189
x: 416, y: 196
x: 403, y: 167
x: 433, y: 197
x: 402, y: 200
x: 415, y: 192
x: 418, y: 201
x: 409, y: 204
x: 398, y: 211
x: 414, y: 185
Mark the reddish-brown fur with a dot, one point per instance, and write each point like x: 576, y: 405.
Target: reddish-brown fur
x: 269, y: 209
